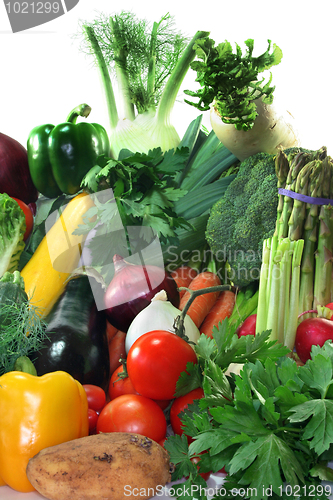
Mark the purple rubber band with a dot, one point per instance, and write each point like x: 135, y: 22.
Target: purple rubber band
x: 305, y: 198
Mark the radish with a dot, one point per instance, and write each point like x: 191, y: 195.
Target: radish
x: 248, y: 327
x: 312, y: 331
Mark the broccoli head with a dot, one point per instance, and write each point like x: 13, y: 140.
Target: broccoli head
x: 12, y: 229
x: 244, y: 217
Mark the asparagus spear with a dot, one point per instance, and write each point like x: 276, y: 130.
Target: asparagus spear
x: 323, y: 255
x: 298, y: 213
x: 318, y: 175
x: 281, y: 170
x: 296, y: 166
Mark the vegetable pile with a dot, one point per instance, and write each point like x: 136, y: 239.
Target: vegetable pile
x: 177, y: 288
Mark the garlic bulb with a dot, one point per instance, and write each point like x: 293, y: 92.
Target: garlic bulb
x: 159, y: 315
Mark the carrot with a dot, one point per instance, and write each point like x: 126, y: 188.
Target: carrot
x: 222, y: 309
x: 202, y: 304
x: 110, y: 331
x: 116, y: 349
x: 183, y: 276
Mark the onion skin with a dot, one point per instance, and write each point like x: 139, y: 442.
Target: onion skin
x: 130, y: 292
x: 272, y: 130
x: 15, y: 178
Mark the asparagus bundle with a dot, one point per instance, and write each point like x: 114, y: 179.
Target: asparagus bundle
x: 297, y: 262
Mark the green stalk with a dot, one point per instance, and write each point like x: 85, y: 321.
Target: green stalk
x: 246, y: 308
x: 323, y: 258
x: 298, y: 213
x: 291, y: 325
x: 261, y: 324
x: 319, y: 179
x: 120, y: 66
x: 285, y: 291
x: 323, y: 254
x: 274, y: 306
x: 175, y: 80
x: 179, y: 321
x: 296, y: 165
x: 246, y: 302
x: 281, y: 170
x: 273, y: 243
x: 105, y: 77
x: 152, y: 67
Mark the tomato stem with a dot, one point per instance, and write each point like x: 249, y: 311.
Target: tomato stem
x: 179, y: 321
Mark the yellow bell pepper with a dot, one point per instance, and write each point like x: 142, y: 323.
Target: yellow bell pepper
x: 37, y: 412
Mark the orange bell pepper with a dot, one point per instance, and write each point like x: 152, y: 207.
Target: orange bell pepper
x: 37, y: 412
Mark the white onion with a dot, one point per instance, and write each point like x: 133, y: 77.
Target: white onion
x: 159, y: 315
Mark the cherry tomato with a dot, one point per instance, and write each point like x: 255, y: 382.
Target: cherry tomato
x: 96, y: 397
x: 92, y: 419
x: 155, y: 362
x: 179, y: 405
x: 133, y: 413
x: 29, y: 218
x: 119, y: 386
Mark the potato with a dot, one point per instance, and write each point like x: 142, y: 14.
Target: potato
x: 108, y: 466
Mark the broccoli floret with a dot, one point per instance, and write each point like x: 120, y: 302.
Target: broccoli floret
x: 244, y: 217
x: 12, y: 229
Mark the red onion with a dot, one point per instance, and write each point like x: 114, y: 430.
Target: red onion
x: 15, y: 178
x: 132, y: 288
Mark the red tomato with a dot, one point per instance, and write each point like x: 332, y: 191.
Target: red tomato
x: 96, y: 397
x: 29, y: 218
x: 155, y: 362
x: 133, y: 413
x: 179, y: 405
x: 163, y: 403
x: 121, y: 386
x: 92, y: 419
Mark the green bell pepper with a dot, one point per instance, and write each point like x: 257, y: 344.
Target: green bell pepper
x: 60, y: 156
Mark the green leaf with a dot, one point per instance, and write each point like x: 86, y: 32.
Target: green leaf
x: 319, y: 429
x: 322, y: 471
x: 263, y: 461
x: 216, y: 386
x: 189, y: 380
x: 317, y: 373
x: 205, y: 347
x: 241, y: 419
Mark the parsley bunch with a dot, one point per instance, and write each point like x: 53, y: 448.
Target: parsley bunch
x: 140, y: 191
x: 270, y: 426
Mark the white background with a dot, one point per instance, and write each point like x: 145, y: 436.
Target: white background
x: 44, y: 75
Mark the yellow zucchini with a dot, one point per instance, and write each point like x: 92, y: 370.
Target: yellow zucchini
x: 56, y: 256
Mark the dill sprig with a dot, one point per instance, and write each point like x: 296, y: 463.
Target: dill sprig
x: 22, y: 332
